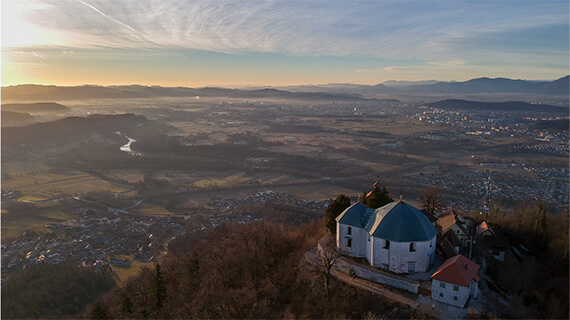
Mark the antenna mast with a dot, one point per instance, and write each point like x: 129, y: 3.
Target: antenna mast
x: 487, y: 196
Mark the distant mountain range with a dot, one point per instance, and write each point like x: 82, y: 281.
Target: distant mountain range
x: 329, y: 92
x: 42, y: 93
x: 558, y: 87
x: 455, y: 104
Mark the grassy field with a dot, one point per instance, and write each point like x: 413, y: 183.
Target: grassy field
x: 131, y: 176
x: 150, y: 209
x: 23, y: 167
x: 35, y: 222
x: 40, y: 186
x: 221, y: 182
x: 37, y: 188
x: 123, y: 273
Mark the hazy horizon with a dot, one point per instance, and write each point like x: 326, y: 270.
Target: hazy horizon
x: 246, y: 86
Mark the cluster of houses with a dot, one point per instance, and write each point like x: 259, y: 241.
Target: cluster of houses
x: 401, y: 239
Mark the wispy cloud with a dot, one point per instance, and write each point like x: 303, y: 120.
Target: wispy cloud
x: 108, y: 17
x: 37, y: 55
x: 372, y: 38
x: 385, y: 29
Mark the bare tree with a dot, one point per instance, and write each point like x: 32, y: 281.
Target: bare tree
x: 327, y: 256
x: 431, y: 199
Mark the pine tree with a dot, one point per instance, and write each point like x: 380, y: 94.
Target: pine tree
x: 540, y: 221
x: 127, y: 306
x: 377, y: 198
x: 158, y: 288
x: 98, y: 312
x: 334, y: 210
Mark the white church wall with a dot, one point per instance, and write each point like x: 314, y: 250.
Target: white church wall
x: 380, y: 254
x: 401, y: 257
x: 358, y: 239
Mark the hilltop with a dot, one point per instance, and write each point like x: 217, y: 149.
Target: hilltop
x: 34, y: 107
x: 68, y: 128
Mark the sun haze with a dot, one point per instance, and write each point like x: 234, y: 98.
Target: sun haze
x: 199, y: 43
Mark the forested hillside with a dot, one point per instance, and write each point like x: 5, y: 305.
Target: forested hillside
x: 249, y: 271
x: 51, y: 291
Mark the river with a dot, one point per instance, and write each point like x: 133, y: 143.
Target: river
x: 127, y: 147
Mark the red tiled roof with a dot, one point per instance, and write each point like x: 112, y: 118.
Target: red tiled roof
x: 485, y: 227
x: 457, y: 270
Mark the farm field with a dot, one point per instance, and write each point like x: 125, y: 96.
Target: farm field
x: 123, y: 273
x: 35, y: 221
x: 234, y: 148
x: 45, y: 185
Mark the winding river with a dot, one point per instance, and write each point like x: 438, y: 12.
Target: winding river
x: 127, y: 147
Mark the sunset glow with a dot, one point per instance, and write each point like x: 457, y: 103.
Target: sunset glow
x: 199, y: 43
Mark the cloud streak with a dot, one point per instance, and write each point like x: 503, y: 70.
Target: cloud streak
x: 108, y: 17
x: 315, y: 28
x: 364, y: 38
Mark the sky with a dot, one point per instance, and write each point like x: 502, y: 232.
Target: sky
x: 195, y: 43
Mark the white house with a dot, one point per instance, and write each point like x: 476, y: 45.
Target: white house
x: 397, y: 237
x: 455, y: 281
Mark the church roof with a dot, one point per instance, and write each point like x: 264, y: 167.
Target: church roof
x: 357, y: 215
x: 396, y: 221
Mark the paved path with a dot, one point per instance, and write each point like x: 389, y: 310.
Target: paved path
x: 418, y: 302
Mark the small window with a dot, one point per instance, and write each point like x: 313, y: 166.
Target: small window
x: 387, y: 244
x: 457, y: 231
x: 441, y: 294
x: 455, y: 288
x: 455, y: 298
x: 349, y: 230
x: 412, y: 247
x: 430, y: 244
x: 349, y: 242
x: 442, y: 284
x: 369, y: 238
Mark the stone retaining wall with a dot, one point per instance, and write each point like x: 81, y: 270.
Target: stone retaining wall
x: 381, y: 277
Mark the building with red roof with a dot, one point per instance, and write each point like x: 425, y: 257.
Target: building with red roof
x: 455, y: 281
x: 494, y: 241
x: 485, y: 230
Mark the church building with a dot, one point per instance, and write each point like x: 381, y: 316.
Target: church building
x: 396, y: 237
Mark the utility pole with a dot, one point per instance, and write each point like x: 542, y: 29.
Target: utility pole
x: 487, y: 196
